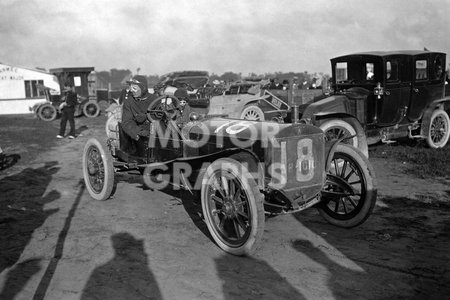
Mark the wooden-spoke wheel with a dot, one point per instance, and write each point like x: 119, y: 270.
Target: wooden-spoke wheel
x: 439, y: 129
x: 98, y: 170
x: 349, y: 194
x: 233, y: 207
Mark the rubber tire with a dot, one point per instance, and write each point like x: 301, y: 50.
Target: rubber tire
x: 255, y: 200
x: 443, y: 114
x: 52, y: 111
x: 87, y: 113
x: 355, y: 142
x: 335, y: 123
x: 368, y: 173
x: 255, y: 109
x: 109, y: 182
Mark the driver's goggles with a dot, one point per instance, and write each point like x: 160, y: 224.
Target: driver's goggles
x: 134, y: 87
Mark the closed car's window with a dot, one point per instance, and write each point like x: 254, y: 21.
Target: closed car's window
x: 392, y: 70
x: 341, y: 71
x: 354, y: 72
x: 369, y: 71
x: 421, y: 69
x: 438, y: 69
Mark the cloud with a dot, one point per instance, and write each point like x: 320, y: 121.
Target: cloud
x: 213, y: 35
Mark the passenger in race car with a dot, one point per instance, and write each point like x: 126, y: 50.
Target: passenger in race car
x: 134, y: 117
x: 184, y: 110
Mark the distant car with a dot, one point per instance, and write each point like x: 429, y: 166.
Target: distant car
x: 383, y: 96
x: 248, y: 101
x: 48, y: 110
x: 243, y: 170
x: 192, y: 81
x: 240, y: 99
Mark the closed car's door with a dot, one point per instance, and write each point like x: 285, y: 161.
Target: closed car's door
x: 427, y: 84
x: 419, y: 88
x: 393, y: 105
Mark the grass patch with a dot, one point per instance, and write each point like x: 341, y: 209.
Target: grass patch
x: 419, y: 160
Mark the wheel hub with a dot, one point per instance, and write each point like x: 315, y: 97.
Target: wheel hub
x: 228, y: 208
x: 93, y: 168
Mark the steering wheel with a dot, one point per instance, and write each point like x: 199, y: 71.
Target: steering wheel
x: 163, y: 106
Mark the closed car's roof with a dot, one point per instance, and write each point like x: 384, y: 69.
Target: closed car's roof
x: 388, y: 53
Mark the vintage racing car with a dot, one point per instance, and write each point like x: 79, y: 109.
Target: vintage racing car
x: 243, y: 170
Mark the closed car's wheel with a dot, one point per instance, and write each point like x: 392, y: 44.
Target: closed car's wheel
x: 232, y: 206
x: 439, y: 131
x: 350, y: 192
x: 335, y: 129
x: 91, y: 109
x: 253, y: 113
x: 47, y: 112
x: 98, y: 170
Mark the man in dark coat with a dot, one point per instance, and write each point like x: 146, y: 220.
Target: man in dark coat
x: 134, y: 117
x: 67, y: 109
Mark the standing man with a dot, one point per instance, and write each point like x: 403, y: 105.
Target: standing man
x: 67, y: 108
x: 134, y: 111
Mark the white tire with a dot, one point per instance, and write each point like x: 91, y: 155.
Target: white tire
x: 439, y: 130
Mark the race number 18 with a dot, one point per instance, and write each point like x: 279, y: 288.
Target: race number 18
x: 305, y: 160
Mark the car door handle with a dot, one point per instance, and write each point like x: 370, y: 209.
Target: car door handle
x: 238, y: 100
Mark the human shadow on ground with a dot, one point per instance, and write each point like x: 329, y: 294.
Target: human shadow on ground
x: 402, y: 243
x: 343, y: 282
x: 80, y: 129
x: 251, y: 278
x: 21, y: 212
x: 8, y: 160
x: 126, y: 275
x: 18, y: 277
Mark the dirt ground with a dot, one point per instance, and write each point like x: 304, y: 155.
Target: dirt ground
x: 58, y: 243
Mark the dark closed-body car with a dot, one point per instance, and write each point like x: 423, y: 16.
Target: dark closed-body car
x: 382, y: 96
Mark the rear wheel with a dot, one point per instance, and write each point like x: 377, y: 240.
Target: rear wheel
x: 98, y: 170
x: 233, y: 207
x: 47, y: 112
x: 439, y: 131
x: 252, y: 113
x: 350, y: 193
x: 91, y: 109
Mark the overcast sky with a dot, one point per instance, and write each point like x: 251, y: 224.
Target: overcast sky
x: 214, y: 35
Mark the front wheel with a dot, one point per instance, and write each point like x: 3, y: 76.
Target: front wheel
x: 232, y: 206
x: 47, y: 112
x: 350, y: 192
x: 439, y: 131
x: 98, y: 170
x: 335, y: 129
